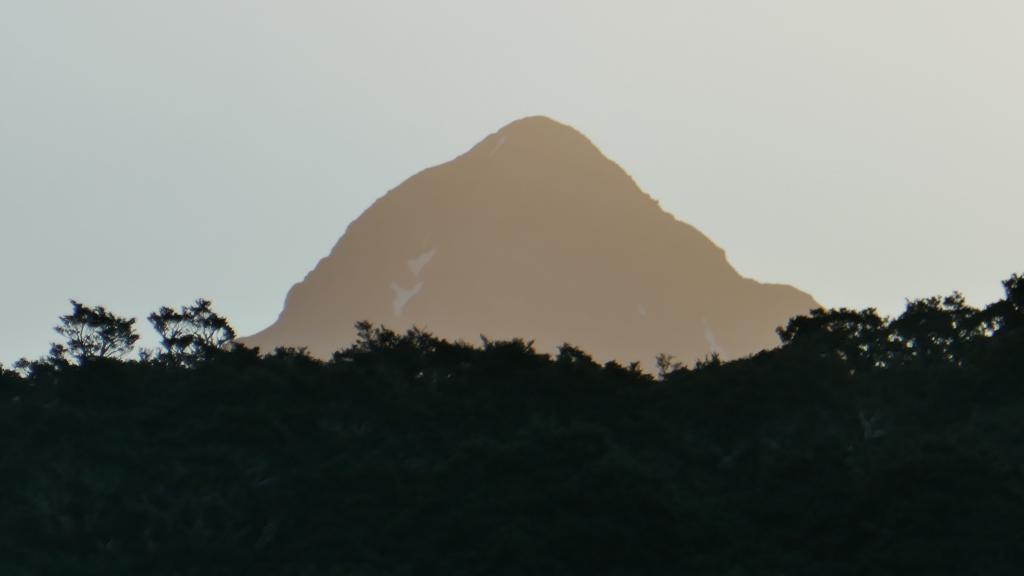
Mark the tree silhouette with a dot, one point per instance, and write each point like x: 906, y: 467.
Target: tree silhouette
x: 856, y: 337
x: 1007, y: 315
x: 667, y: 364
x: 93, y: 333
x: 191, y: 334
x: 938, y: 329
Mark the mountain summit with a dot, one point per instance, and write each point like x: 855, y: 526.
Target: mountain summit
x: 533, y: 233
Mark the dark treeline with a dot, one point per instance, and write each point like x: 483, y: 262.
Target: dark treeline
x: 862, y: 445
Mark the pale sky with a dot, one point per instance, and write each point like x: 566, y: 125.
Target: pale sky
x: 155, y: 152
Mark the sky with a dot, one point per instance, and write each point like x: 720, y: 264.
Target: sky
x: 152, y: 153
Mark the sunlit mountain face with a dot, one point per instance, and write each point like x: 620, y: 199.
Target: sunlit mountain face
x: 534, y: 233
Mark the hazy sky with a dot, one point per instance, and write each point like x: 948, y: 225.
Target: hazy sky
x: 155, y: 152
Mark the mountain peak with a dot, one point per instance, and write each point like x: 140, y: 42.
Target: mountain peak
x: 536, y: 124
x: 540, y: 135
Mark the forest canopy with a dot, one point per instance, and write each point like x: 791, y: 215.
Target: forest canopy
x: 862, y: 444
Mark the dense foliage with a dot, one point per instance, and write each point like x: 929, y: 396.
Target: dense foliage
x: 862, y: 445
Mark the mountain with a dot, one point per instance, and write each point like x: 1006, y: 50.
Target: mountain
x: 534, y: 233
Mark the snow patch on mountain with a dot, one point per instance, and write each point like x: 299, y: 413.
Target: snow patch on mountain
x: 417, y: 264
x: 709, y: 336
x: 403, y: 296
x: 500, y: 143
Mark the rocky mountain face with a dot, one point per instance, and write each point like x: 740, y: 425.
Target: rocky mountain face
x: 534, y: 233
